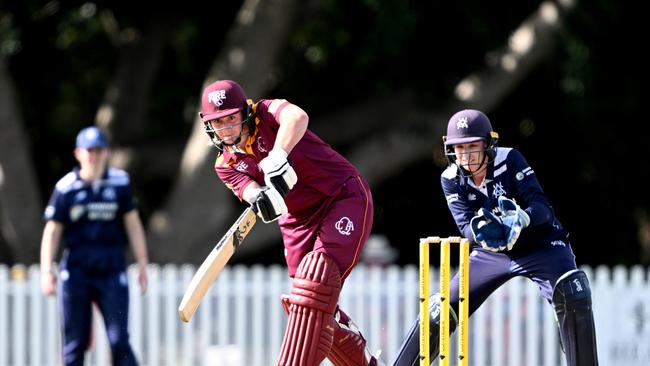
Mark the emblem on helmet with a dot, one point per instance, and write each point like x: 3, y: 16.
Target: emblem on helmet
x: 217, y: 97
x: 462, y: 123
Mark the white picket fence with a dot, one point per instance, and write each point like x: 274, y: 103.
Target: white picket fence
x: 241, y: 321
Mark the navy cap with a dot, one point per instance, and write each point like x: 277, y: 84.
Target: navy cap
x: 468, y: 125
x: 91, y: 138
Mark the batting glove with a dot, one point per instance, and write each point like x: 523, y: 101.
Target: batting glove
x: 514, y: 219
x: 488, y: 230
x: 269, y: 204
x: 278, y: 172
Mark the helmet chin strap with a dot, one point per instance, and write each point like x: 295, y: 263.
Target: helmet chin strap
x: 237, y: 140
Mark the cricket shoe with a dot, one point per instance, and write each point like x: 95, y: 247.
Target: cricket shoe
x: 375, y: 361
x: 350, y: 347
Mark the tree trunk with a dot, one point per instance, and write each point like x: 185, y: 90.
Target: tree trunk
x: 420, y: 137
x: 20, y: 201
x: 199, y: 207
x: 123, y: 111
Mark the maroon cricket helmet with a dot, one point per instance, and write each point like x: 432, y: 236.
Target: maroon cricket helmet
x: 222, y: 98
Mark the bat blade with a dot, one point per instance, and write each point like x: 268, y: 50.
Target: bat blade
x: 214, y: 264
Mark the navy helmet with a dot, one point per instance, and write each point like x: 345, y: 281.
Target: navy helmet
x: 469, y: 125
x: 92, y: 138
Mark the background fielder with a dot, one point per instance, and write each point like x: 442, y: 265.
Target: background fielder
x: 497, y: 202
x: 92, y: 208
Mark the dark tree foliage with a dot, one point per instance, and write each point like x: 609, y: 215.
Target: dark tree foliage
x: 577, y: 117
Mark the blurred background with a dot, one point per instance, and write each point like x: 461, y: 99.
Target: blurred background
x: 561, y: 81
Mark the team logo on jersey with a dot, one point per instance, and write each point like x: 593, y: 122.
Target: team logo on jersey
x: 76, y: 212
x: 109, y: 194
x: 498, y: 190
x: 241, y: 166
x: 345, y: 226
x: 216, y: 97
x: 471, y: 197
x: 462, y: 123
x: 260, y: 145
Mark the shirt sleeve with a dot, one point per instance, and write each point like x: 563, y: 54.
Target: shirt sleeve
x: 457, y: 203
x: 127, y: 200
x: 269, y: 110
x: 55, y: 209
x: 234, y: 180
x: 531, y: 196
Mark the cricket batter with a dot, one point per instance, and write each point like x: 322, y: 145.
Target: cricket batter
x: 93, y: 210
x: 497, y: 202
x: 268, y: 158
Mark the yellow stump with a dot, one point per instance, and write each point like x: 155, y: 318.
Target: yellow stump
x: 463, y: 304
x: 424, y: 303
x: 445, y: 268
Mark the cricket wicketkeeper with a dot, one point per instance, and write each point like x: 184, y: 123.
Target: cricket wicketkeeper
x: 497, y: 203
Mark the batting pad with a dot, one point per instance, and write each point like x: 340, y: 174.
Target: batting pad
x: 309, y: 334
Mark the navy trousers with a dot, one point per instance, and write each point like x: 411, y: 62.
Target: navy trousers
x: 489, y: 270
x: 78, y: 291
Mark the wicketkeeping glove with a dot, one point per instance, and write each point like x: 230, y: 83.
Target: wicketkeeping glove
x: 488, y: 231
x: 278, y: 172
x: 269, y: 204
x: 514, y: 219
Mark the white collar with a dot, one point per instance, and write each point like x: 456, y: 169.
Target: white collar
x: 482, y: 187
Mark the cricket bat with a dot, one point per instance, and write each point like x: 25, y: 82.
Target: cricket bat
x: 214, y: 264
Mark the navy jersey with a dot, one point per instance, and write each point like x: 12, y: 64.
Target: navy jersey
x: 508, y: 175
x: 92, y: 217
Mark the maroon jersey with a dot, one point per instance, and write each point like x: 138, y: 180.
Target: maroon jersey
x: 330, y: 207
x: 321, y: 170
